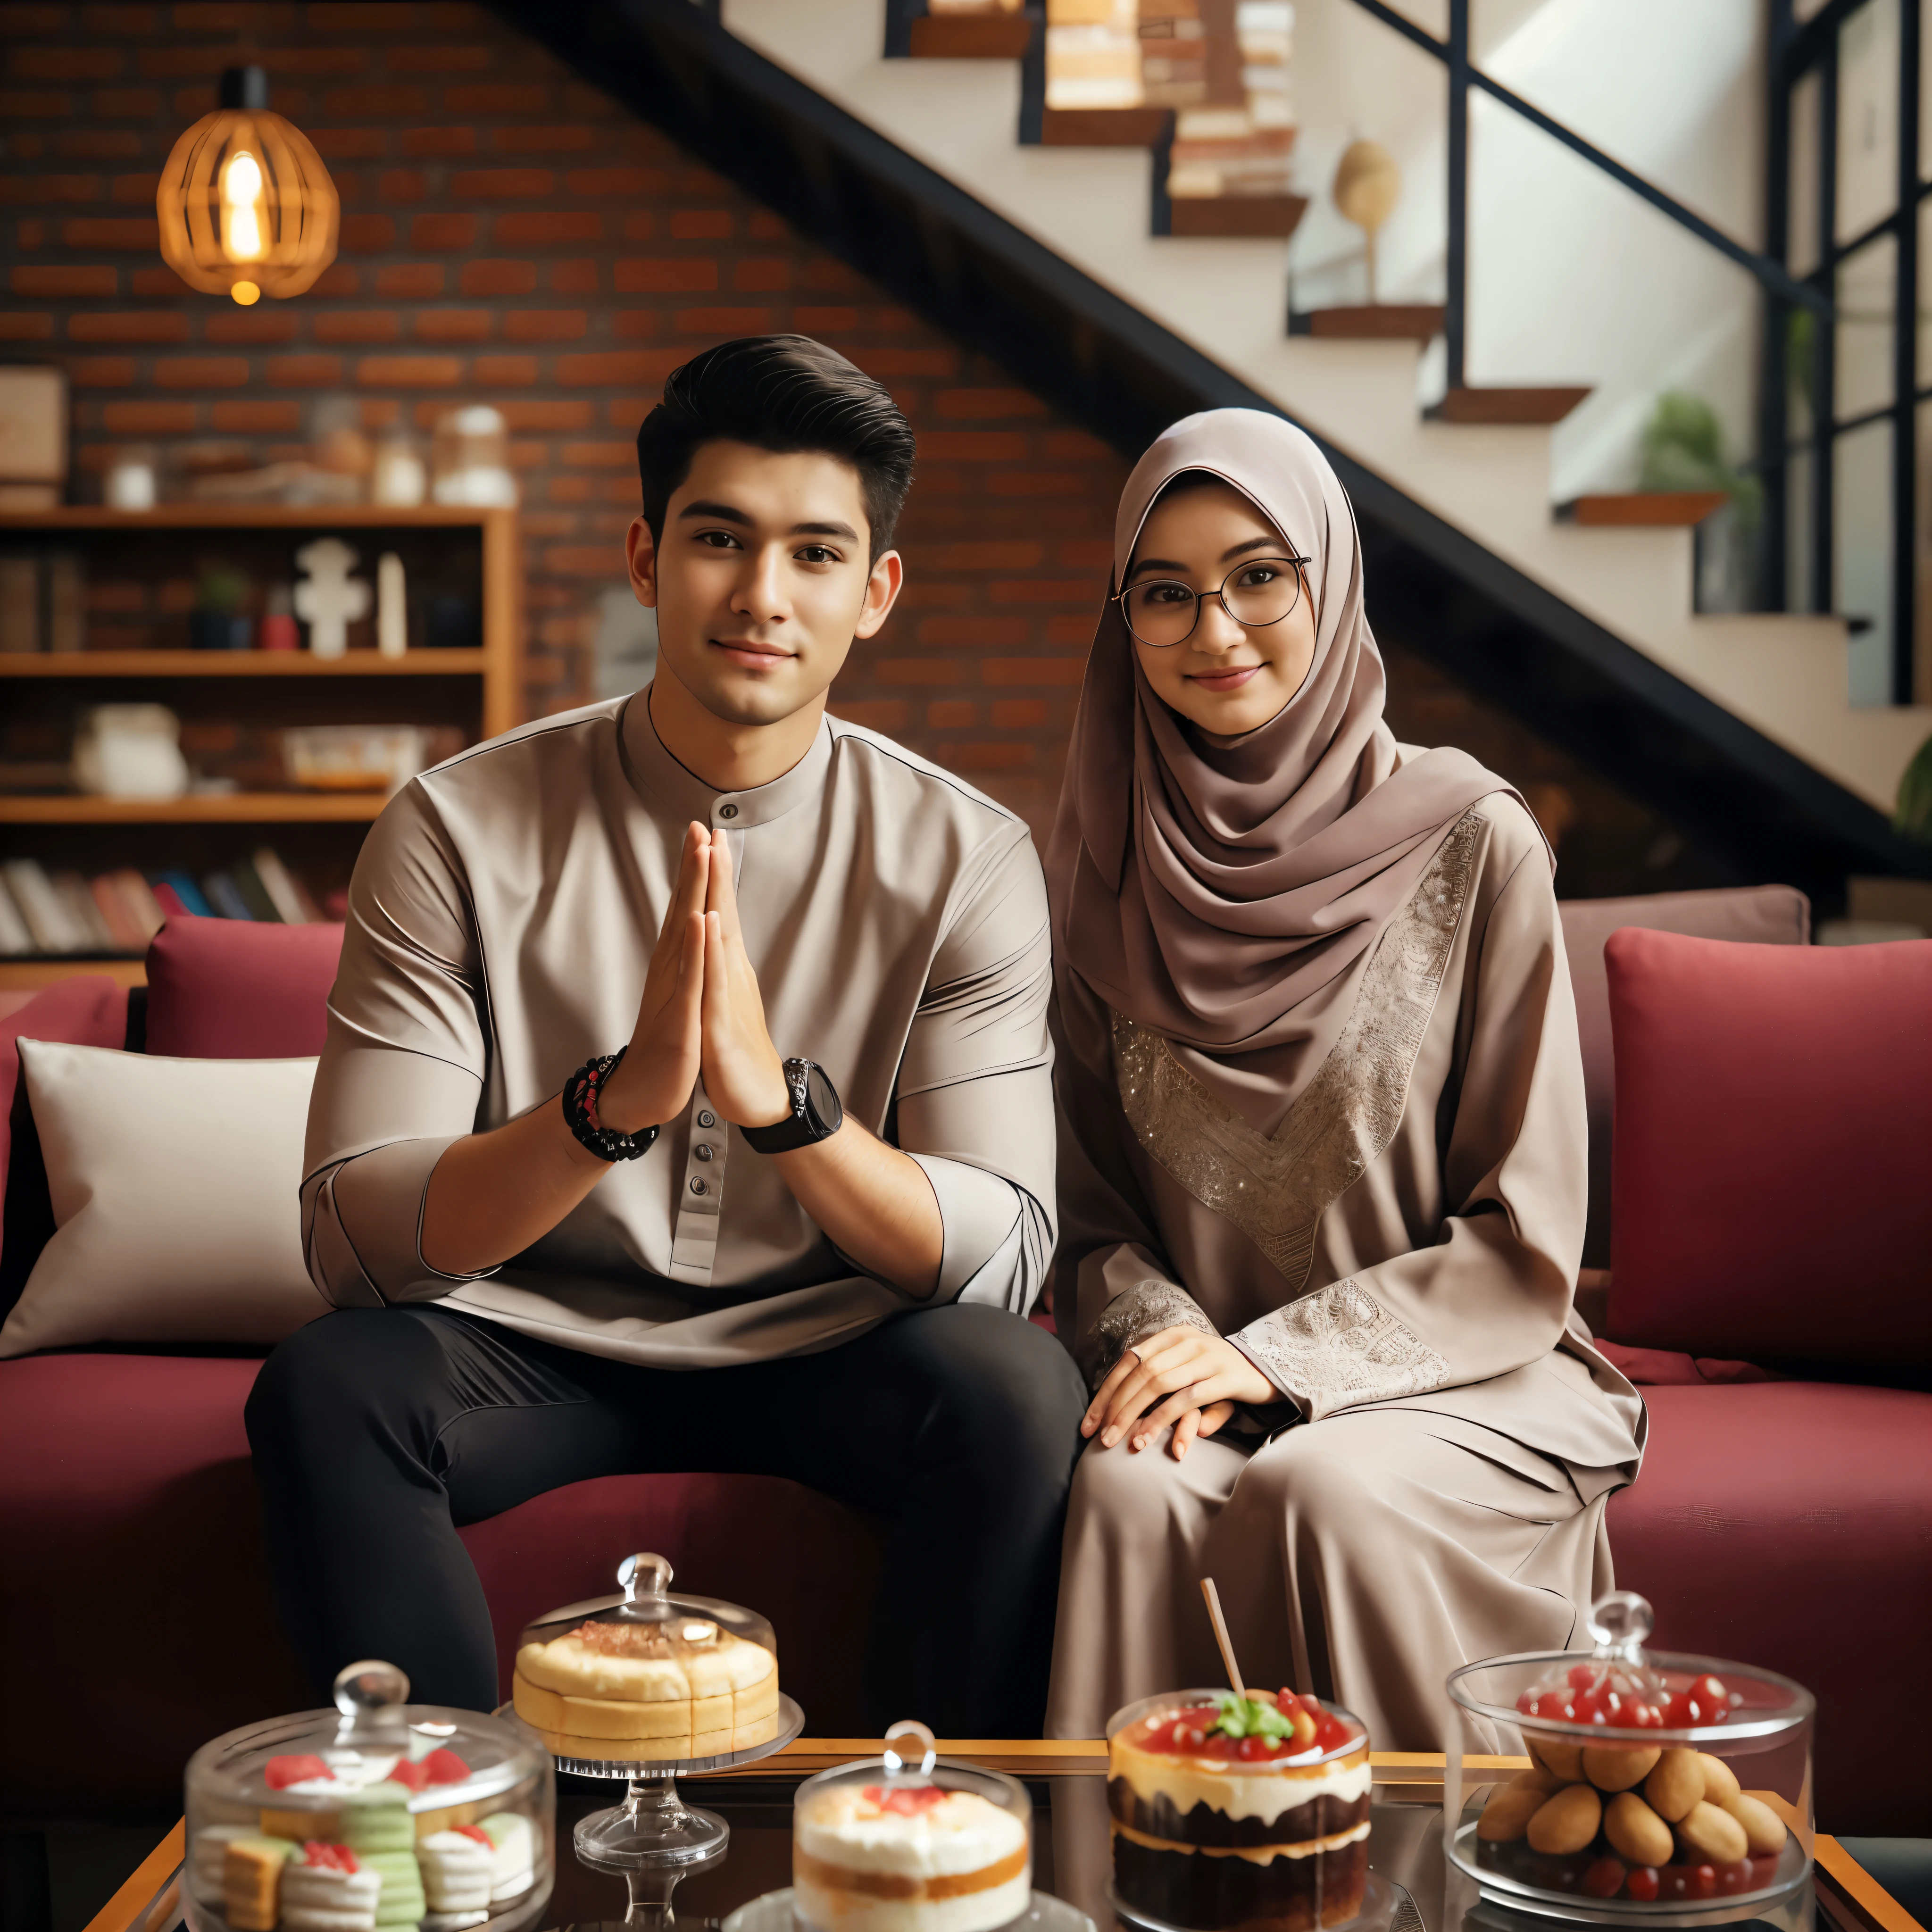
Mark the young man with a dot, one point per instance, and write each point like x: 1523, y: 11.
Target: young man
x: 686, y: 1105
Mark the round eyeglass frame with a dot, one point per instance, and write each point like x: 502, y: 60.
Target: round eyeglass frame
x: 1299, y: 564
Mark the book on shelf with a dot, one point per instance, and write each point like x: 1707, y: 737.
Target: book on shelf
x: 64, y: 914
x: 42, y: 601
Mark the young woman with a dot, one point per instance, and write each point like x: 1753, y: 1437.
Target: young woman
x: 1322, y: 1167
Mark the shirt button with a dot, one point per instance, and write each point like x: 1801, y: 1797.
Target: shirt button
x: 703, y: 1152
x: 707, y: 1118
x: 698, y: 1186
x: 727, y: 812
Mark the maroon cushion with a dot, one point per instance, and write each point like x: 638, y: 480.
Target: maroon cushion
x: 227, y: 989
x: 1789, y: 1525
x: 1773, y: 1141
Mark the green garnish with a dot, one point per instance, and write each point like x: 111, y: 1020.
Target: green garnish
x: 1251, y: 1717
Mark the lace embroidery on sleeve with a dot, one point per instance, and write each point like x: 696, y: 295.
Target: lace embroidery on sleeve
x: 1340, y: 1347
x: 1144, y: 1310
x: 1275, y: 1187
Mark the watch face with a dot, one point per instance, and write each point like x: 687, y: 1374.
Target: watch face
x: 821, y: 1098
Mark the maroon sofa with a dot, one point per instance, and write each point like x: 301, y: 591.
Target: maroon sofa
x: 1786, y: 1523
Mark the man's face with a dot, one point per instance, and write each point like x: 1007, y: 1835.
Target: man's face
x: 762, y: 579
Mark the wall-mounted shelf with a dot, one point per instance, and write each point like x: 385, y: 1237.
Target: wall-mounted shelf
x: 240, y: 663
x: 236, y: 808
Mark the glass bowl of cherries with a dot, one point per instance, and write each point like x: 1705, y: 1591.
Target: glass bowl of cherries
x: 1660, y: 1785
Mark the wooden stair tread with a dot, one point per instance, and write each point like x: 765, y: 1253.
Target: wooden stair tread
x: 1371, y: 322
x: 1644, y: 509
x: 1265, y: 215
x: 970, y: 36
x: 1105, y: 127
x: 1530, y: 406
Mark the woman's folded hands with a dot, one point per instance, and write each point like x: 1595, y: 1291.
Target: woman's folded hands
x: 1181, y: 1377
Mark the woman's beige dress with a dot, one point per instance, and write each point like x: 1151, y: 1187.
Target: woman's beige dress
x: 1396, y: 1251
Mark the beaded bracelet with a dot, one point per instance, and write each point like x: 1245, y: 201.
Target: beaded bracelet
x: 579, y: 1109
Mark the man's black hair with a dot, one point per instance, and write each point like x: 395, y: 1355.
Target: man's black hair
x: 786, y: 393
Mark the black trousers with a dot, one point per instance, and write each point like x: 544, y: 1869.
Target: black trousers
x: 376, y: 1432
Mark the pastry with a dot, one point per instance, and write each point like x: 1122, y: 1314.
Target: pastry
x: 211, y: 1856
x: 326, y: 1887
x: 514, y: 1869
x: 457, y: 1867
x: 251, y: 1872
x: 377, y: 1827
x: 908, y: 1858
x: 1250, y: 1812
x: 674, y: 1690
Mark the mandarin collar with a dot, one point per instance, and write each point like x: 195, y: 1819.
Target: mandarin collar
x: 659, y: 777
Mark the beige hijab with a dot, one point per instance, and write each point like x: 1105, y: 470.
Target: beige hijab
x: 1228, y: 891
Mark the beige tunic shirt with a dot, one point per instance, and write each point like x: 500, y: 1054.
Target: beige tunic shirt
x: 1408, y: 1235
x: 501, y: 922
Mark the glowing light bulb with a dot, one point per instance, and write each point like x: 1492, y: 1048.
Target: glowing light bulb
x: 241, y: 213
x: 246, y: 293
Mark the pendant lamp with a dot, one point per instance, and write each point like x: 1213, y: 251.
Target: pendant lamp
x: 246, y: 206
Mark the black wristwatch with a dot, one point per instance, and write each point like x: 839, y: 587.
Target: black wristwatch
x: 816, y: 1114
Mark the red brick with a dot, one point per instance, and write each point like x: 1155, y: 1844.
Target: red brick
x: 507, y: 372
x: 636, y: 182
x: 378, y: 412
x: 952, y: 714
x: 496, y: 99
x: 570, y: 489
x: 599, y: 455
x: 31, y: 236
x: 1020, y: 714
x: 530, y: 414
x: 101, y: 372
x: 1008, y: 556
x: 701, y: 224
x: 584, y: 560
x: 965, y: 445
x: 498, y: 278
x: 376, y: 103
x: 442, y: 231
x: 401, y: 184
x: 1050, y: 590
x: 118, y: 103
x: 723, y: 321
x: 577, y: 277
x: 17, y: 21
x: 764, y: 226
x: 262, y: 419
x: 1074, y: 445
x: 338, y: 279
x: 350, y: 144
x: 884, y: 362
x: 98, y: 144
x: 110, y: 231
x: 1078, y: 631
x: 632, y: 325
x: 626, y: 412
x: 410, y: 280
x: 369, y: 234
x: 871, y: 714
x: 973, y: 633
x: 827, y: 276
x: 1087, y: 554
x: 410, y: 372
x: 588, y: 103
x: 228, y: 16
x: 376, y: 325
x: 919, y: 671
x: 143, y: 325
x: 438, y: 60
x: 231, y: 325
x: 304, y: 372
x: 149, y: 419
x: 444, y: 144
x: 762, y: 275
x: 1037, y: 483
x: 572, y: 138
x: 129, y: 21
x: 502, y: 183
x: 824, y: 321
x: 455, y: 324
x: 138, y: 189
x: 620, y: 489
x: 545, y: 325
x: 162, y: 282
x: 986, y: 758
x: 1032, y: 670
x: 82, y: 63
x: 639, y: 224
x: 528, y: 231
x: 684, y: 273
x: 978, y: 405
x: 199, y: 372
x: 360, y: 17
x: 38, y: 190
x: 23, y: 328
x: 627, y: 365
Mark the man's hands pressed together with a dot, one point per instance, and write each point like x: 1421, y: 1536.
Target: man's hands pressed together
x: 701, y: 1015
x: 1180, y: 1375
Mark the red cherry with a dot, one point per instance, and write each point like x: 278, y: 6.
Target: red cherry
x: 1330, y: 1733
x: 1735, y: 1878
x: 414, y: 1777
x: 1604, y: 1879
x: 1529, y: 1704
x: 1582, y: 1676
x: 444, y: 1767
x: 1285, y: 1701
x: 279, y: 1773
x: 1711, y: 1693
x: 1704, y: 1883
x: 1641, y: 1883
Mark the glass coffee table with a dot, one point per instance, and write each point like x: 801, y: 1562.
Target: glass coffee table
x: 1071, y: 1856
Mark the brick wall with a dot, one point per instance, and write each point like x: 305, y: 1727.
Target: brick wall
x: 509, y: 235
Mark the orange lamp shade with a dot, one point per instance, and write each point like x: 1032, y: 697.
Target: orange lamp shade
x: 247, y: 208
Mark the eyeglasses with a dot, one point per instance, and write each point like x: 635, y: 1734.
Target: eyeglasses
x: 1163, y: 612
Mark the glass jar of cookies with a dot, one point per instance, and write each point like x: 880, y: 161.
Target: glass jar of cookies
x: 1661, y: 1786
x: 378, y: 1816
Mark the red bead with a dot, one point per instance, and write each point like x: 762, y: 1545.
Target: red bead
x: 1604, y: 1879
x: 1735, y: 1878
x: 1642, y: 1883
x: 1582, y: 1675
x: 1704, y: 1883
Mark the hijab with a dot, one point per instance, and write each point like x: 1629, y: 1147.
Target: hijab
x: 1228, y: 891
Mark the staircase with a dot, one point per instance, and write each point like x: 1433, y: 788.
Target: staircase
x: 1227, y: 298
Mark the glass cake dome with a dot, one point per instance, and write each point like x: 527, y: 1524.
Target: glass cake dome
x: 379, y: 1813
x: 1663, y: 1787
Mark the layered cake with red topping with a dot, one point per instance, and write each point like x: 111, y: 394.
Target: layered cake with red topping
x: 1245, y: 1815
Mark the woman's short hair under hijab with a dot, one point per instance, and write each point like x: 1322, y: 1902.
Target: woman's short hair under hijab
x: 785, y: 394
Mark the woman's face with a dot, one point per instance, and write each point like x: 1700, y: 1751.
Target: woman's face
x: 1228, y: 677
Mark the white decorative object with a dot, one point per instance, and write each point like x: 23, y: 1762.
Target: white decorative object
x: 130, y: 751
x: 328, y: 600
x: 400, y: 482
x: 392, y: 611
x: 131, y: 480
x: 473, y: 460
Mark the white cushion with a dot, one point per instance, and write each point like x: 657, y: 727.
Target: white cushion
x: 175, y: 1187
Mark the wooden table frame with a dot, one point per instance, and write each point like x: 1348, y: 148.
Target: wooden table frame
x: 1850, y: 1900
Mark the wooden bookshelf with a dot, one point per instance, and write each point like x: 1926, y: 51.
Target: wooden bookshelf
x: 142, y: 564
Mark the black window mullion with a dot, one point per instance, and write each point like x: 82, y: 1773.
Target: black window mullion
x: 1824, y: 360
x: 1905, y: 368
